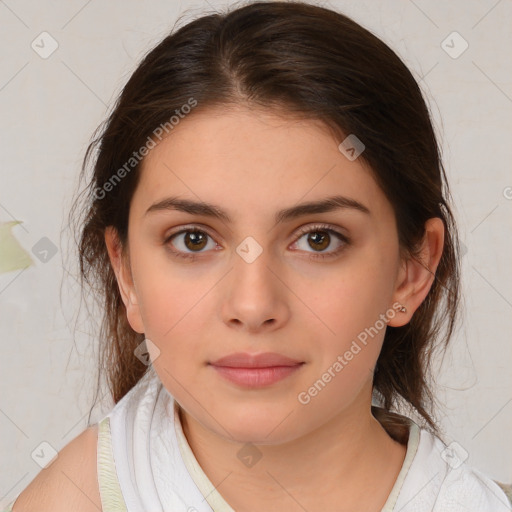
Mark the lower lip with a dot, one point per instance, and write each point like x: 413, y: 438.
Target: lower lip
x: 256, y: 377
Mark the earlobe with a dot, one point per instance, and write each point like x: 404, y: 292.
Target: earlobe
x: 417, y: 274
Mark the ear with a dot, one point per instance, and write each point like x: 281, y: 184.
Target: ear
x: 122, y: 271
x: 416, y: 276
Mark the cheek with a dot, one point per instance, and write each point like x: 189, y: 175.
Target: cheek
x: 349, y: 297
x: 345, y: 309
x: 172, y: 310
x: 166, y: 291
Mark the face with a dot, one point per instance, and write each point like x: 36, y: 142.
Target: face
x: 311, y: 286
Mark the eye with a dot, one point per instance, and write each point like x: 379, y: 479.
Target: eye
x: 190, y: 242
x: 186, y: 242
x: 320, y: 237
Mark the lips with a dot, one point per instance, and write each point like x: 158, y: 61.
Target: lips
x: 265, y: 360
x: 255, y: 370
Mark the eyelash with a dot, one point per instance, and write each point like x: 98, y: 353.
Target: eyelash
x: 302, y: 232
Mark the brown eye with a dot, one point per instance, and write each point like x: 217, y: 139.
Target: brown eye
x: 319, y: 240
x: 195, y: 240
x: 189, y: 241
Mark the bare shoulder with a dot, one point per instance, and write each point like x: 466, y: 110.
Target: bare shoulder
x: 69, y: 483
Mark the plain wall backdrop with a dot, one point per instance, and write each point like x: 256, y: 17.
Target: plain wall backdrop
x: 55, y: 89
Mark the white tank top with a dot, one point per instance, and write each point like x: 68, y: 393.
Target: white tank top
x: 146, y: 465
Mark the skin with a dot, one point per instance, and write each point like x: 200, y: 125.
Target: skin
x: 252, y: 164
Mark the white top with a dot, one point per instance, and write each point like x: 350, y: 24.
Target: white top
x: 156, y: 470
x: 145, y: 464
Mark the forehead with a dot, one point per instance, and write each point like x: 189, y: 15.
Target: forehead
x: 242, y: 159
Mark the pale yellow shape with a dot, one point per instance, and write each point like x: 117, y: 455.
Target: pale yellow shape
x: 12, y: 255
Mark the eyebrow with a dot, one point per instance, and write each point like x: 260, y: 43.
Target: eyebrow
x: 328, y: 204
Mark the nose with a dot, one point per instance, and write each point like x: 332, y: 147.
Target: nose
x: 255, y: 299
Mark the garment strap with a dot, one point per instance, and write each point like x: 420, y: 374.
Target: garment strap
x: 110, y: 492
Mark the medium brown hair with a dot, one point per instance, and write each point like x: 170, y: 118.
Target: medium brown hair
x: 309, y: 62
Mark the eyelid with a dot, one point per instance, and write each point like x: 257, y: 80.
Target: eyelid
x: 300, y: 231
x: 189, y: 227
x: 322, y: 226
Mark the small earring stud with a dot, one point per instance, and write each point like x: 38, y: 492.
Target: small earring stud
x: 403, y: 309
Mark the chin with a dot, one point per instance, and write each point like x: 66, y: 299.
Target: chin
x: 265, y: 425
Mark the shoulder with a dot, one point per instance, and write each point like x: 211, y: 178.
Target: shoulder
x: 460, y: 486
x: 469, y: 487
x: 69, y: 483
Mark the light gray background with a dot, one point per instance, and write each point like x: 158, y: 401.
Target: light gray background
x: 50, y: 107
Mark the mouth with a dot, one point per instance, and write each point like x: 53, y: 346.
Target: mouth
x: 256, y: 371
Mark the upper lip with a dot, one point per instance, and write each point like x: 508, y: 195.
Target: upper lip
x: 265, y: 360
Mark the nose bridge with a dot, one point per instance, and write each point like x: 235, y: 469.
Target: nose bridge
x: 256, y: 295
x: 252, y: 262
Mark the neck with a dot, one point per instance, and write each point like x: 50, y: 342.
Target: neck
x: 341, y: 459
